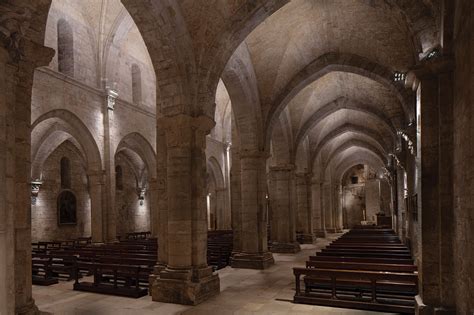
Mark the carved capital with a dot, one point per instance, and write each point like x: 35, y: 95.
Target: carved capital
x: 13, y: 23
x: 428, y: 69
x: 185, y: 130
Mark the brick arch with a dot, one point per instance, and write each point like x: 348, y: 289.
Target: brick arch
x: 164, y: 31
x: 340, y: 62
x: 240, y: 81
x: 134, y: 161
x: 348, y: 145
x: 252, y: 13
x: 281, y: 150
x: 72, y: 125
x: 346, y: 128
x: 138, y: 144
x: 49, y: 142
x: 213, y: 61
x: 215, y: 169
x: 339, y: 104
x: 343, y: 167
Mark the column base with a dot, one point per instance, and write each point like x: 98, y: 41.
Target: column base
x: 29, y: 308
x: 320, y: 233
x: 306, y: 238
x: 285, y: 248
x: 423, y: 309
x: 252, y: 261
x: 187, y: 287
x: 331, y: 230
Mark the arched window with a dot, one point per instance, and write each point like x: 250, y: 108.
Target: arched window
x: 65, y: 48
x: 66, y: 208
x: 65, y: 169
x: 118, y: 178
x: 136, y: 84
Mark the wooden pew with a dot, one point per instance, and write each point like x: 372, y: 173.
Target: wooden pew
x: 362, y: 259
x: 60, y: 266
x: 122, y: 280
x: 41, y: 271
x: 369, y: 290
x: 392, y: 267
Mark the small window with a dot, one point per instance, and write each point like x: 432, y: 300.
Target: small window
x: 354, y: 179
x: 118, y: 178
x: 66, y: 208
x: 65, y: 169
x: 65, y: 48
x: 136, y: 84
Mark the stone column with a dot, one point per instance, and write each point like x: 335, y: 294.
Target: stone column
x: 187, y: 279
x: 401, y: 212
x: 161, y: 219
x: 17, y: 65
x: 221, y: 211
x: 252, y: 249
x: 110, y: 222
x: 236, y: 200
x: 304, y: 212
x: 435, y: 191
x: 153, y: 200
x: 96, y: 184
x: 317, y: 209
x: 339, y: 216
x: 281, y: 183
x: 327, y: 201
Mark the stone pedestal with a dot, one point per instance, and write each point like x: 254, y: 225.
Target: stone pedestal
x: 422, y: 309
x: 285, y: 248
x: 322, y: 233
x: 252, y: 261
x: 306, y: 238
x: 188, y: 287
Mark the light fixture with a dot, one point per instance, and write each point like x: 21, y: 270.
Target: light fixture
x: 399, y: 76
x: 112, y: 95
x: 35, y: 187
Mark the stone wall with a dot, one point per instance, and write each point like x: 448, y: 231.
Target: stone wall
x: 131, y: 216
x: 372, y: 200
x: 463, y: 157
x: 44, y: 215
x: 354, y: 202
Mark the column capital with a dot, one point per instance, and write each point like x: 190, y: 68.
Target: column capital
x: 254, y: 154
x: 181, y: 129
x: 282, y: 168
x: 15, y: 21
x: 427, y: 69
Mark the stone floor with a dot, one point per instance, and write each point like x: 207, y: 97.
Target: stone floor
x: 242, y: 292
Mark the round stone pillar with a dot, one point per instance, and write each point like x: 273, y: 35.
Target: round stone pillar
x: 186, y: 279
x: 96, y: 184
x: 252, y: 249
x: 282, y: 199
x: 317, y: 208
x: 304, y: 213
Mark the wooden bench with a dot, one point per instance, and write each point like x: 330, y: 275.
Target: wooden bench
x: 362, y: 254
x: 369, y: 290
x: 41, y: 271
x: 361, y: 266
x: 122, y: 280
x: 362, y: 259
x: 60, y: 266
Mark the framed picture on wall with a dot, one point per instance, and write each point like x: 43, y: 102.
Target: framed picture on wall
x: 67, y: 208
